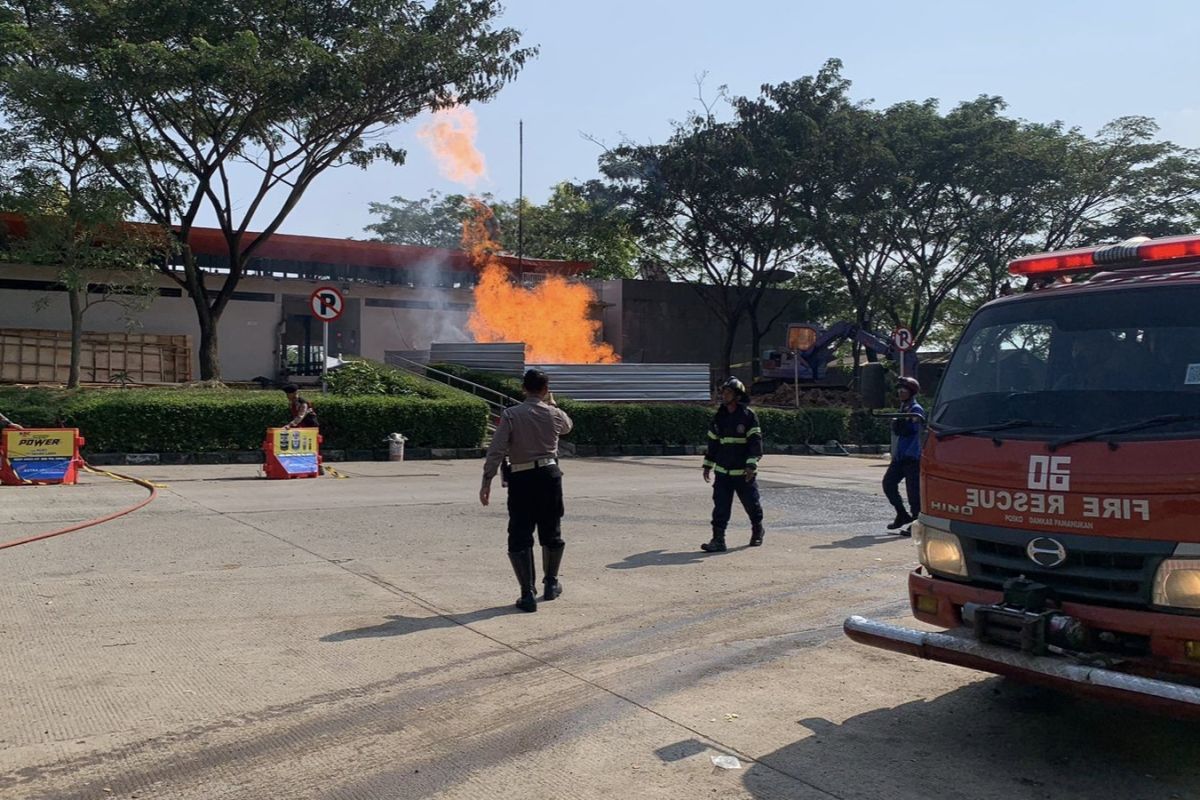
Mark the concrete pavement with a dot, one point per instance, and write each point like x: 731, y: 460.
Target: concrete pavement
x: 243, y: 638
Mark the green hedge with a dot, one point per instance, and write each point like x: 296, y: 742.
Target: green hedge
x: 668, y: 424
x: 196, y: 421
x: 176, y: 421
x: 365, y: 377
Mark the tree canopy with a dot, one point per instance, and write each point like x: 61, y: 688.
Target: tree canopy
x: 241, y: 105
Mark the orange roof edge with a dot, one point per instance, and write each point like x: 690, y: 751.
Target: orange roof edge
x: 344, y: 252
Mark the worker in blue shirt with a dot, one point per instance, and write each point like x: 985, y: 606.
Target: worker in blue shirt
x: 906, y: 456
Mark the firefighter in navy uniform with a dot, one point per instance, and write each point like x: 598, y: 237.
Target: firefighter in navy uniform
x: 734, y: 448
x: 528, y: 435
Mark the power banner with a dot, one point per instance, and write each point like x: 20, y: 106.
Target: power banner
x: 39, y: 456
x: 292, y: 452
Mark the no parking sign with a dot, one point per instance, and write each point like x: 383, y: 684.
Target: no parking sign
x: 327, y: 303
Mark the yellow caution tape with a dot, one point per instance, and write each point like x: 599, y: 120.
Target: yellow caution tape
x: 118, y: 477
x: 331, y: 471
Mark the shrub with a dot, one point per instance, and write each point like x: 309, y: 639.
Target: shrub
x: 196, y: 421
x: 671, y: 424
x: 504, y: 384
x: 865, y: 429
x: 364, y: 377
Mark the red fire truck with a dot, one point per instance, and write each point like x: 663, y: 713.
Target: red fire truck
x: 1059, y: 538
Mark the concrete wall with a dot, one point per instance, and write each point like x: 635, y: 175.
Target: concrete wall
x: 666, y: 322
x: 645, y: 321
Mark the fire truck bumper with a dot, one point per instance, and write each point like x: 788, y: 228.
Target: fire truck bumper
x: 961, y: 648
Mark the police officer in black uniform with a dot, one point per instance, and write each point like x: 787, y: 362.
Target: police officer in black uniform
x: 528, y: 435
x: 734, y: 448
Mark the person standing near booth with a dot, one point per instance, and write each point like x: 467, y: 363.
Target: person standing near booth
x: 302, y: 411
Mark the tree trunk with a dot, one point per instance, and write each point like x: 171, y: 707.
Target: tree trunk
x: 210, y: 359
x: 208, y: 317
x: 756, y: 337
x: 76, y: 299
x: 731, y: 327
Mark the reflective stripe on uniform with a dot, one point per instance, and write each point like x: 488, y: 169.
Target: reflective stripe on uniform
x: 734, y: 472
x: 712, y: 436
x: 754, y: 432
x: 709, y: 464
x: 733, y: 440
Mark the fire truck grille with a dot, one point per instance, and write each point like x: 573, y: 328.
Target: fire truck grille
x: 1116, y: 575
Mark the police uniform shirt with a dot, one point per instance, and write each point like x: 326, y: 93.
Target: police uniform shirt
x: 526, y: 433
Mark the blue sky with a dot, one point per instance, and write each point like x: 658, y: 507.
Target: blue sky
x: 618, y: 68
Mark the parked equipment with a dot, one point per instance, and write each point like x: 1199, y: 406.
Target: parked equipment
x: 810, y: 350
x: 292, y: 453
x: 40, y: 456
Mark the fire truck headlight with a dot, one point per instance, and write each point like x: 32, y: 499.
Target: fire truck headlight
x: 939, y: 551
x: 1177, y: 583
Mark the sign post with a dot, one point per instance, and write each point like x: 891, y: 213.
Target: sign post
x: 902, y: 338
x: 327, y: 304
x: 796, y: 376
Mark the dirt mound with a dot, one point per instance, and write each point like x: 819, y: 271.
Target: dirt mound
x: 811, y: 397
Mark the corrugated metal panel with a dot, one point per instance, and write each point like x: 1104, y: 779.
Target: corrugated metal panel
x: 419, y: 356
x: 507, y: 358
x: 630, y: 382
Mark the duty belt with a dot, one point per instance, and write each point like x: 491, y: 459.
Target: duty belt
x: 541, y: 462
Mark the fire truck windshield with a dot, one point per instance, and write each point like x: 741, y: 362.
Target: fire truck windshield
x: 1077, y: 362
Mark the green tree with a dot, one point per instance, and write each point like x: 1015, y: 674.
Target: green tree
x: 1066, y: 189
x: 844, y: 171
x: 435, y: 220
x: 575, y: 224
x: 74, y: 220
x: 202, y: 94
x: 963, y: 197
x: 579, y: 223
x: 715, y: 206
x: 1122, y: 182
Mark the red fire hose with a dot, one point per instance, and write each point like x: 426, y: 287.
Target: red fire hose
x: 99, y: 520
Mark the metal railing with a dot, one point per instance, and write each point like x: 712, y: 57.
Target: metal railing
x: 504, y: 358
x: 496, y: 401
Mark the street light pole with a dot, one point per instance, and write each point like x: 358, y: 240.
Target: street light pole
x: 520, y: 201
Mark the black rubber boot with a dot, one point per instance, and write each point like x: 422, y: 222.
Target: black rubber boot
x: 756, y: 534
x: 551, y: 558
x: 716, y: 544
x: 522, y: 564
x: 902, y: 519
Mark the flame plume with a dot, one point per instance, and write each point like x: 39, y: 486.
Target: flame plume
x: 551, y: 318
x: 451, y: 137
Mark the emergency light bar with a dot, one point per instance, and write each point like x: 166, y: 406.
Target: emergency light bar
x: 1134, y: 252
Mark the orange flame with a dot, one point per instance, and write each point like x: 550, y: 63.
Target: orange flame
x: 451, y: 137
x: 551, y: 318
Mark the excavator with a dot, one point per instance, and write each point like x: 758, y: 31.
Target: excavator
x: 811, y: 348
